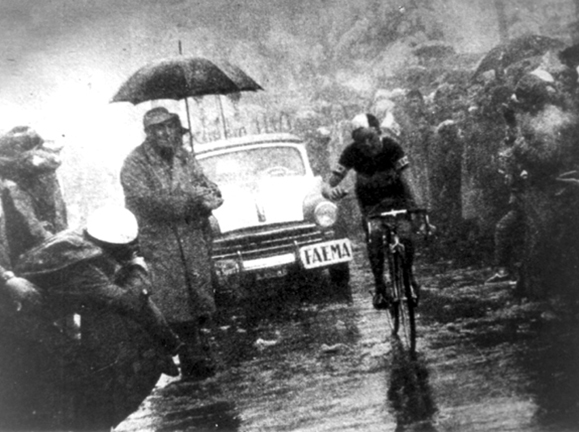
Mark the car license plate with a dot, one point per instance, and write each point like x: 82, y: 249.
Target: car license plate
x: 326, y: 253
x: 271, y: 273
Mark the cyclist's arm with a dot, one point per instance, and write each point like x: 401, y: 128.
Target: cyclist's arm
x: 330, y: 189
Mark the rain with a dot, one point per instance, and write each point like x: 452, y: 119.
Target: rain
x: 467, y: 87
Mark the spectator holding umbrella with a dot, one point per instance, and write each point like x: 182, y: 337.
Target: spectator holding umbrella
x: 166, y: 189
x: 172, y: 199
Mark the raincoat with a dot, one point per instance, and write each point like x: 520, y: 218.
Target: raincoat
x: 75, y: 274
x: 32, y: 200
x: 172, y: 200
x: 52, y: 381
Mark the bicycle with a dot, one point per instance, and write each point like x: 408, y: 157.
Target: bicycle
x: 404, y: 298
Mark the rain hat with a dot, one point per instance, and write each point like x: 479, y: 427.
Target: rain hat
x: 160, y: 115
x: 19, y: 140
x: 157, y: 115
x: 533, y: 90
x: 114, y: 225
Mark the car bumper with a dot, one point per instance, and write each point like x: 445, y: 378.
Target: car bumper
x: 307, y: 257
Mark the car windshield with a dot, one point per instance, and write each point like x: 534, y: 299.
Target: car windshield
x: 254, y: 163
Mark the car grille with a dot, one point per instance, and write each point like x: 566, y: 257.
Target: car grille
x: 262, y: 242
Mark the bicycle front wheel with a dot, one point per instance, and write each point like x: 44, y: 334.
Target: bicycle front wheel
x: 403, y: 307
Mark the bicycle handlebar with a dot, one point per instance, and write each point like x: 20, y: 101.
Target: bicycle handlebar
x: 396, y: 213
x: 427, y: 229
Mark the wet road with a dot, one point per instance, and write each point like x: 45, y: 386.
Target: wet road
x: 301, y: 362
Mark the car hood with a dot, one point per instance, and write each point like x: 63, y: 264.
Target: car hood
x: 267, y: 201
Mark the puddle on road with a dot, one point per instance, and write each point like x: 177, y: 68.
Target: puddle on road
x: 498, y: 363
x: 297, y: 363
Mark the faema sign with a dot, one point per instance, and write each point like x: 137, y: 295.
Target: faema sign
x: 323, y: 254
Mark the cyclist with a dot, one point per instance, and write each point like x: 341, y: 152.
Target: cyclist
x: 382, y: 183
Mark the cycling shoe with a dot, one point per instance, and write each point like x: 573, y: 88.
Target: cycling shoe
x: 381, y: 301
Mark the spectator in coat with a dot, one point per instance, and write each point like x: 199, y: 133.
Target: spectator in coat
x: 95, y: 268
x: 172, y: 199
x: 16, y: 293
x: 32, y: 200
x: 33, y: 207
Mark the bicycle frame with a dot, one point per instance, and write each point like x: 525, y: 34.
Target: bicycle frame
x: 404, y: 299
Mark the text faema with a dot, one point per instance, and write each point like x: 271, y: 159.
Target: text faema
x: 323, y: 254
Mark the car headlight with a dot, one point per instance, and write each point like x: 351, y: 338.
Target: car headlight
x: 326, y: 214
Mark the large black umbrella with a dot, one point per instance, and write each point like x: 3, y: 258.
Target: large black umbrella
x: 182, y: 77
x: 514, y: 50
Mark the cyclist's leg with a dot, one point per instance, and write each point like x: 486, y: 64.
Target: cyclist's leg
x: 375, y: 249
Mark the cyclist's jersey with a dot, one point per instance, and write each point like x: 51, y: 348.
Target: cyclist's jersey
x: 377, y: 177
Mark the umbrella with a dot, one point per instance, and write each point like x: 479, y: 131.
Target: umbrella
x: 182, y: 77
x: 503, y: 55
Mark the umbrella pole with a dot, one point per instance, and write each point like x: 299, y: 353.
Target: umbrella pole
x: 187, y: 107
x: 222, y: 116
x: 189, y: 124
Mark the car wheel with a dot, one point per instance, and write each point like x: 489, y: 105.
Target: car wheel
x: 340, y: 279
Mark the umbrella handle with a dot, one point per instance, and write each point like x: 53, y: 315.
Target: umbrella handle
x: 189, y: 124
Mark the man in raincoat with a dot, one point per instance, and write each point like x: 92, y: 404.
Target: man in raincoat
x: 32, y: 207
x: 97, y: 268
x: 95, y: 380
x: 172, y: 199
x: 16, y: 293
x: 32, y: 201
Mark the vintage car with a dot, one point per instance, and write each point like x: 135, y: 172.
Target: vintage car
x: 274, y: 223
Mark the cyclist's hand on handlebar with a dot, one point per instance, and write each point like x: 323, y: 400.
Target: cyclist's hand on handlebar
x: 421, y: 225
x: 336, y: 193
x: 427, y: 230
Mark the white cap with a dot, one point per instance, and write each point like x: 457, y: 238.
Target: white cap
x: 112, y: 224
x: 360, y: 121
